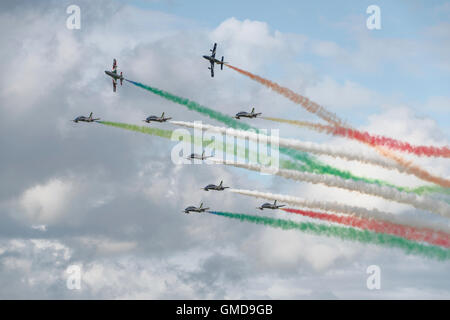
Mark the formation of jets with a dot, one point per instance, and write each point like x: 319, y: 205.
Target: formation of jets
x: 156, y: 119
x: 220, y: 187
x: 114, y: 75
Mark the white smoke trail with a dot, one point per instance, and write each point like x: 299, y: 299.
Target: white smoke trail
x: 385, y: 192
x: 346, y: 209
x: 311, y: 147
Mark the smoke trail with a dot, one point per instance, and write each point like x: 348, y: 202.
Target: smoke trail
x: 310, y: 164
x: 372, y: 140
x: 152, y: 131
x: 342, y: 128
x: 387, y: 193
x: 295, y: 144
x: 420, y: 235
x: 407, y: 166
x: 420, y: 190
x: 353, y: 211
x: 244, y: 153
x: 294, y: 97
x: 410, y: 167
x: 194, y: 106
x: 332, y: 118
x: 351, y: 234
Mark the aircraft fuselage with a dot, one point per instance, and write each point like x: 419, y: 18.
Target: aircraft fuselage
x: 114, y: 75
x: 148, y: 120
x: 211, y: 59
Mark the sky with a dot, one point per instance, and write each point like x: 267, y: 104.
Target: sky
x: 110, y: 201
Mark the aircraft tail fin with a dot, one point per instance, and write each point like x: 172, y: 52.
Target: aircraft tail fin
x: 201, y: 205
x: 90, y: 116
x: 221, y: 65
x: 253, y: 110
x: 162, y: 116
x: 275, y: 203
x: 121, y: 78
x: 220, y: 183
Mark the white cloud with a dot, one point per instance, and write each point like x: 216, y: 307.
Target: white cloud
x: 349, y: 95
x: 251, y: 43
x: 46, y: 203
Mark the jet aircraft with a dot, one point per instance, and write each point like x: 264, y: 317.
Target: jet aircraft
x: 244, y: 114
x: 114, y: 75
x: 85, y: 119
x: 272, y: 206
x: 219, y: 187
x: 212, y: 59
x: 197, y: 156
x: 199, y: 209
x: 156, y: 118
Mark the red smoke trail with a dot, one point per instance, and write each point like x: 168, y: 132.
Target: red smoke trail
x: 374, y: 140
x: 343, y: 130
x: 426, y: 235
x: 294, y: 97
x: 409, y: 166
x: 333, y: 119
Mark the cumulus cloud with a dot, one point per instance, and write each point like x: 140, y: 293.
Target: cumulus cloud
x: 348, y: 95
x: 46, y: 203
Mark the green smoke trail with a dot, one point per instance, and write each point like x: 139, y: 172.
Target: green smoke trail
x: 344, y: 233
x: 245, y: 153
x: 152, y: 131
x: 421, y: 190
x: 156, y: 132
x: 192, y: 105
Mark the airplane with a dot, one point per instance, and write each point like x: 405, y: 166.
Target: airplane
x: 85, y: 119
x: 199, y: 157
x: 220, y: 187
x: 247, y: 115
x: 212, y: 59
x: 195, y: 209
x: 155, y: 118
x: 113, y: 74
x: 271, y: 206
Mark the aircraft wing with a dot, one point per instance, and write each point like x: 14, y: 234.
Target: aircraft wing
x: 114, y: 86
x: 212, y: 69
x: 213, y: 51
